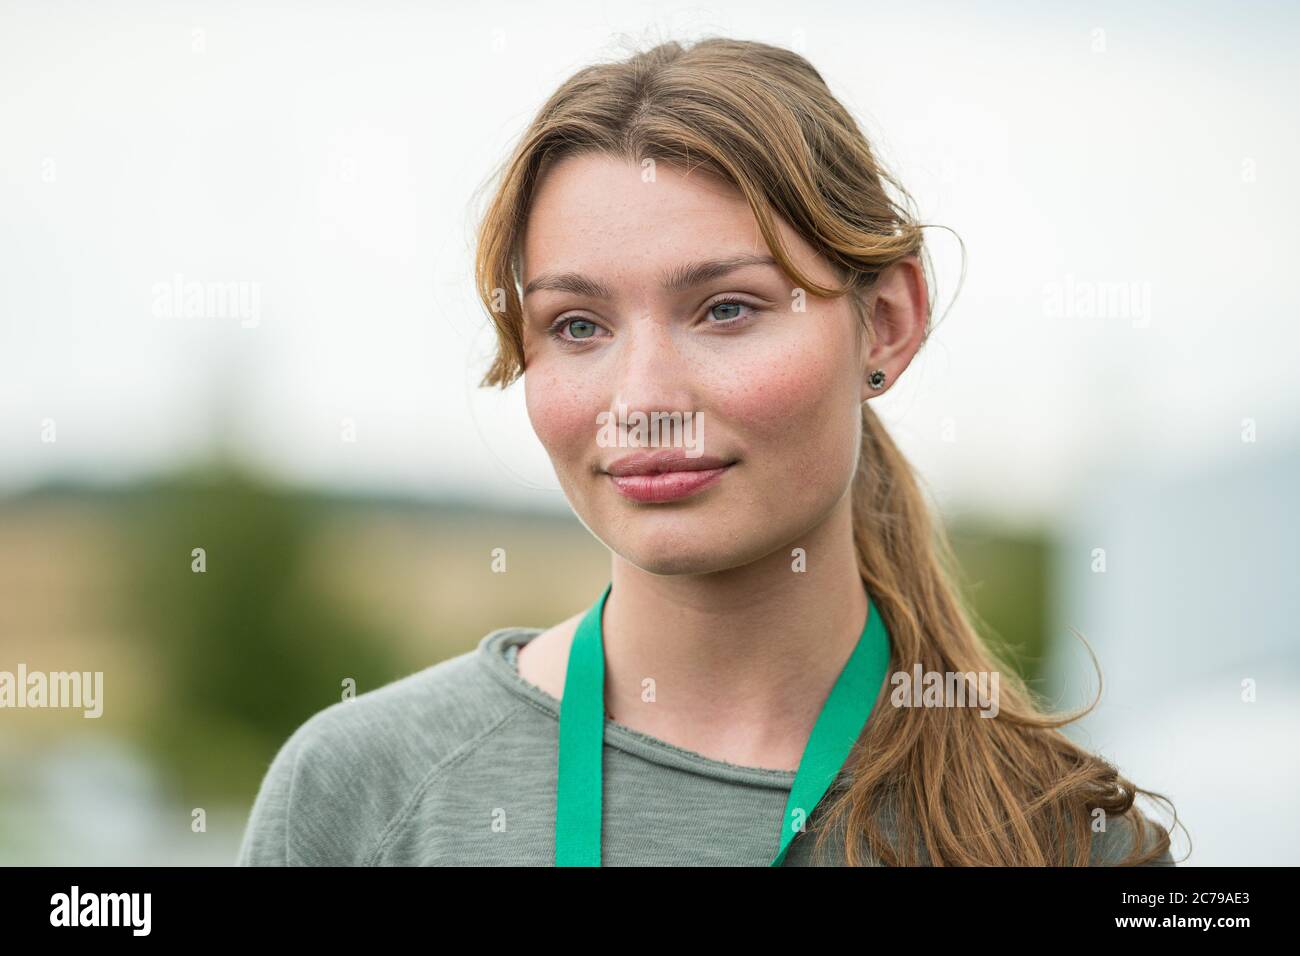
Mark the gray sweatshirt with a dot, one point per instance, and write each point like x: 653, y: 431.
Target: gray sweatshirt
x: 456, y: 765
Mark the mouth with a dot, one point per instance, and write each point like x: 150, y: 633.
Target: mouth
x: 665, y: 477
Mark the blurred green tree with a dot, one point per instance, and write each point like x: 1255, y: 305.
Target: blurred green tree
x: 250, y: 647
x: 1004, y: 577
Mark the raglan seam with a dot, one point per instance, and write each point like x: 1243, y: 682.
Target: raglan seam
x: 447, y: 762
x: 288, y: 804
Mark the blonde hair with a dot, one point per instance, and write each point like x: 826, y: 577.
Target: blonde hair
x: 971, y: 790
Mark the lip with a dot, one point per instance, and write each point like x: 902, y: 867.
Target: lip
x: 658, y: 462
x: 665, y: 476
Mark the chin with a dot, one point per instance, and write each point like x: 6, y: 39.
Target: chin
x: 699, y: 548
x: 668, y: 564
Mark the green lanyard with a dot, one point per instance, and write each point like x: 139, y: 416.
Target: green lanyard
x: 582, y: 735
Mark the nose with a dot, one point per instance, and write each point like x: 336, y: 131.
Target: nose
x: 650, y: 372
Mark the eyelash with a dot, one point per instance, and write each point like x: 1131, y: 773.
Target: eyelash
x: 554, y: 330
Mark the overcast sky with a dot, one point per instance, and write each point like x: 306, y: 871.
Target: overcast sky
x: 324, y: 157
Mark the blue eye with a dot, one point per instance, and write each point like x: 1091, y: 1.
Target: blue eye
x: 724, y: 305
x: 725, y: 313
x: 732, y: 319
x: 584, y: 328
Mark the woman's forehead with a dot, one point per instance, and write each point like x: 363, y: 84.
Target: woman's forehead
x: 595, y: 216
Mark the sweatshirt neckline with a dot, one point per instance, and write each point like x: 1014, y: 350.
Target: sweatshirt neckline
x: 491, y: 653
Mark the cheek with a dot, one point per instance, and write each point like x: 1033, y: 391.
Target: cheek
x: 561, y: 415
x: 797, y: 408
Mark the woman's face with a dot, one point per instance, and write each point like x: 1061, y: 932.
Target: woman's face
x: 773, y: 385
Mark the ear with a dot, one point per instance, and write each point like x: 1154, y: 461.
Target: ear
x: 900, y: 305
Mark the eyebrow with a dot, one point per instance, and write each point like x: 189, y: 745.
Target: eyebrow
x: 678, y: 279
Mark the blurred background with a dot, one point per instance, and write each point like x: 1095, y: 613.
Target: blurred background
x: 237, y: 314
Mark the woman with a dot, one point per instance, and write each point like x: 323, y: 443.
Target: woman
x: 779, y: 671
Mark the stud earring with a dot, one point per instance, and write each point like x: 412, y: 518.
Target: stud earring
x: 877, y: 379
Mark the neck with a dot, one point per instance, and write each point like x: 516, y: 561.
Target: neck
x: 742, y: 660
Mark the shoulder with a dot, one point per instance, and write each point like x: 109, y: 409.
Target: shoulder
x: 1111, y: 845
x: 350, y: 769
x: 543, y: 660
